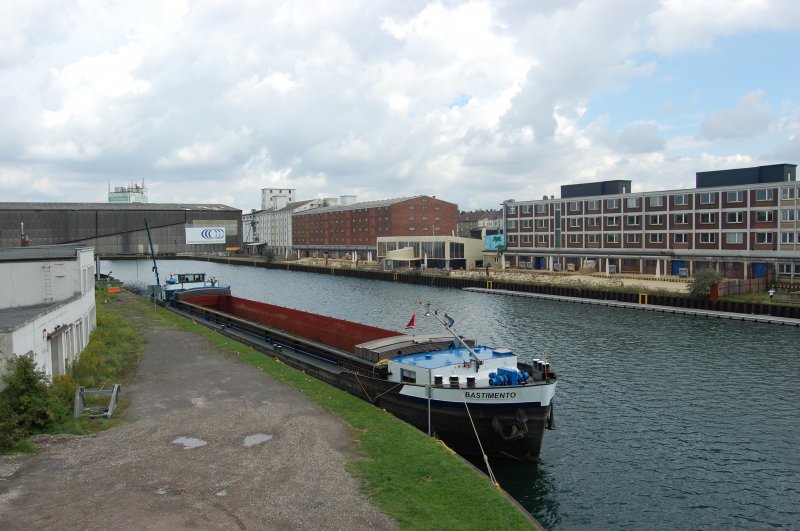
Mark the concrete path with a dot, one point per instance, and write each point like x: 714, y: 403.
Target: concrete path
x: 211, y: 444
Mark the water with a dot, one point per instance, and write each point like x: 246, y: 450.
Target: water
x: 664, y: 421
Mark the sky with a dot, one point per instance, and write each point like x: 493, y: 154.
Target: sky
x: 473, y: 102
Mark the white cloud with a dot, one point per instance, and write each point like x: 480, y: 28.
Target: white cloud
x: 687, y: 24
x: 208, y: 152
x: 751, y: 116
x: 473, y: 101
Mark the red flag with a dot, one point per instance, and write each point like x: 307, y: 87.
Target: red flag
x: 411, y: 321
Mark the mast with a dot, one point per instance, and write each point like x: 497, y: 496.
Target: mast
x: 448, y: 326
x: 152, y: 253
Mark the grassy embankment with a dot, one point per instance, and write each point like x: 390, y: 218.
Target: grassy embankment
x: 417, y: 481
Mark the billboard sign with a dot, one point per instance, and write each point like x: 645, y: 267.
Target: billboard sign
x: 496, y: 242
x: 204, y: 235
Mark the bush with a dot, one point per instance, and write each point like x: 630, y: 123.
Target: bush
x: 28, y: 404
x: 700, y: 285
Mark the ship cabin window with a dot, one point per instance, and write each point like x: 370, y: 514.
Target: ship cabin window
x: 408, y: 376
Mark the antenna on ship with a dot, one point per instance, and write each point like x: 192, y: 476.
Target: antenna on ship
x: 447, y: 322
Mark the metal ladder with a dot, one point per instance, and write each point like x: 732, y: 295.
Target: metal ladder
x: 48, y: 284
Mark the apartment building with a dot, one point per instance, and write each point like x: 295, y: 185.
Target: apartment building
x: 742, y: 222
x: 354, y: 229
x: 473, y: 222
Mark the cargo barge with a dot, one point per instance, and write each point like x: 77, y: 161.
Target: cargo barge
x: 479, y: 400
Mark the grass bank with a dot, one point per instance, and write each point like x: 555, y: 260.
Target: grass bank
x: 412, y: 478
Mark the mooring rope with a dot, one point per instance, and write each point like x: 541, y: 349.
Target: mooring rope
x: 483, y: 453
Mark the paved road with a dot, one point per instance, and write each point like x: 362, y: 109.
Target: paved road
x: 211, y: 444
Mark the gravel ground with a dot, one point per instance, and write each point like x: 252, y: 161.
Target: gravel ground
x: 211, y: 443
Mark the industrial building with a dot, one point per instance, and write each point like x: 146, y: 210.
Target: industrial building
x: 48, y: 310
x: 742, y: 222
x: 354, y: 229
x: 114, y: 229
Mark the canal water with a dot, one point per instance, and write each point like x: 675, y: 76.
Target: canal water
x: 664, y: 421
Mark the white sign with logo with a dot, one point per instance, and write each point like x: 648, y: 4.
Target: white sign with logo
x: 204, y: 235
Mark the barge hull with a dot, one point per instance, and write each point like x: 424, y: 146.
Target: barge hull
x: 503, y: 429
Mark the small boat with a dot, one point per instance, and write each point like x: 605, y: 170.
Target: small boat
x: 479, y: 400
x: 191, y: 282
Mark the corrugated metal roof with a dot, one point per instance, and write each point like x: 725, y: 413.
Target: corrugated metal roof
x: 118, y: 206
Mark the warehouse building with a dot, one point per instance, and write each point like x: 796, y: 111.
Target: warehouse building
x: 114, y: 229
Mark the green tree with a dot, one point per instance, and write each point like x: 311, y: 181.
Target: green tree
x: 700, y: 285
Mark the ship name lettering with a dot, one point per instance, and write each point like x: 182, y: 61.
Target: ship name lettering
x: 501, y: 396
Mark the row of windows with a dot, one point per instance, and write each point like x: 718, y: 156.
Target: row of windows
x: 731, y: 238
x: 656, y: 201
x: 761, y: 216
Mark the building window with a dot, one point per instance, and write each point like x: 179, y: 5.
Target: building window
x: 612, y: 203
x: 787, y: 214
x: 734, y: 217
x: 763, y: 237
x: 632, y: 202
x: 612, y: 221
x: 707, y: 237
x: 574, y: 206
x: 511, y: 210
x: 681, y: 199
x: 708, y: 218
x: 736, y: 197
x: 411, y: 228
x: 656, y: 200
x: 633, y: 237
x: 541, y: 238
x: 512, y: 224
x: 593, y: 222
x: 574, y: 238
x: 682, y: 237
x: 656, y: 219
x: 612, y: 238
x: 763, y: 216
x: 657, y: 238
x: 526, y: 238
x: 526, y: 223
x: 764, y: 194
x: 512, y: 238
x: 634, y: 220
x: 541, y: 223
x: 593, y: 204
x: 787, y: 237
x: 787, y: 193
x: 592, y: 238
x: 411, y: 218
x: 541, y: 208
x: 681, y: 219
x: 707, y: 198
x: 574, y: 222
x: 734, y: 238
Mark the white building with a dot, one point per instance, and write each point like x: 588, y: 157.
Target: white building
x: 47, y: 304
x: 133, y: 193
x: 271, y: 227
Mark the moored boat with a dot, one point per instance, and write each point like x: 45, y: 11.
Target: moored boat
x: 478, y: 399
x: 197, y: 283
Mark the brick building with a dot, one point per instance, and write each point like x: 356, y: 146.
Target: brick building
x: 345, y: 229
x: 742, y: 222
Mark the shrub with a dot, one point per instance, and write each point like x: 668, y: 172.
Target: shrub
x: 700, y: 285
x: 28, y: 404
